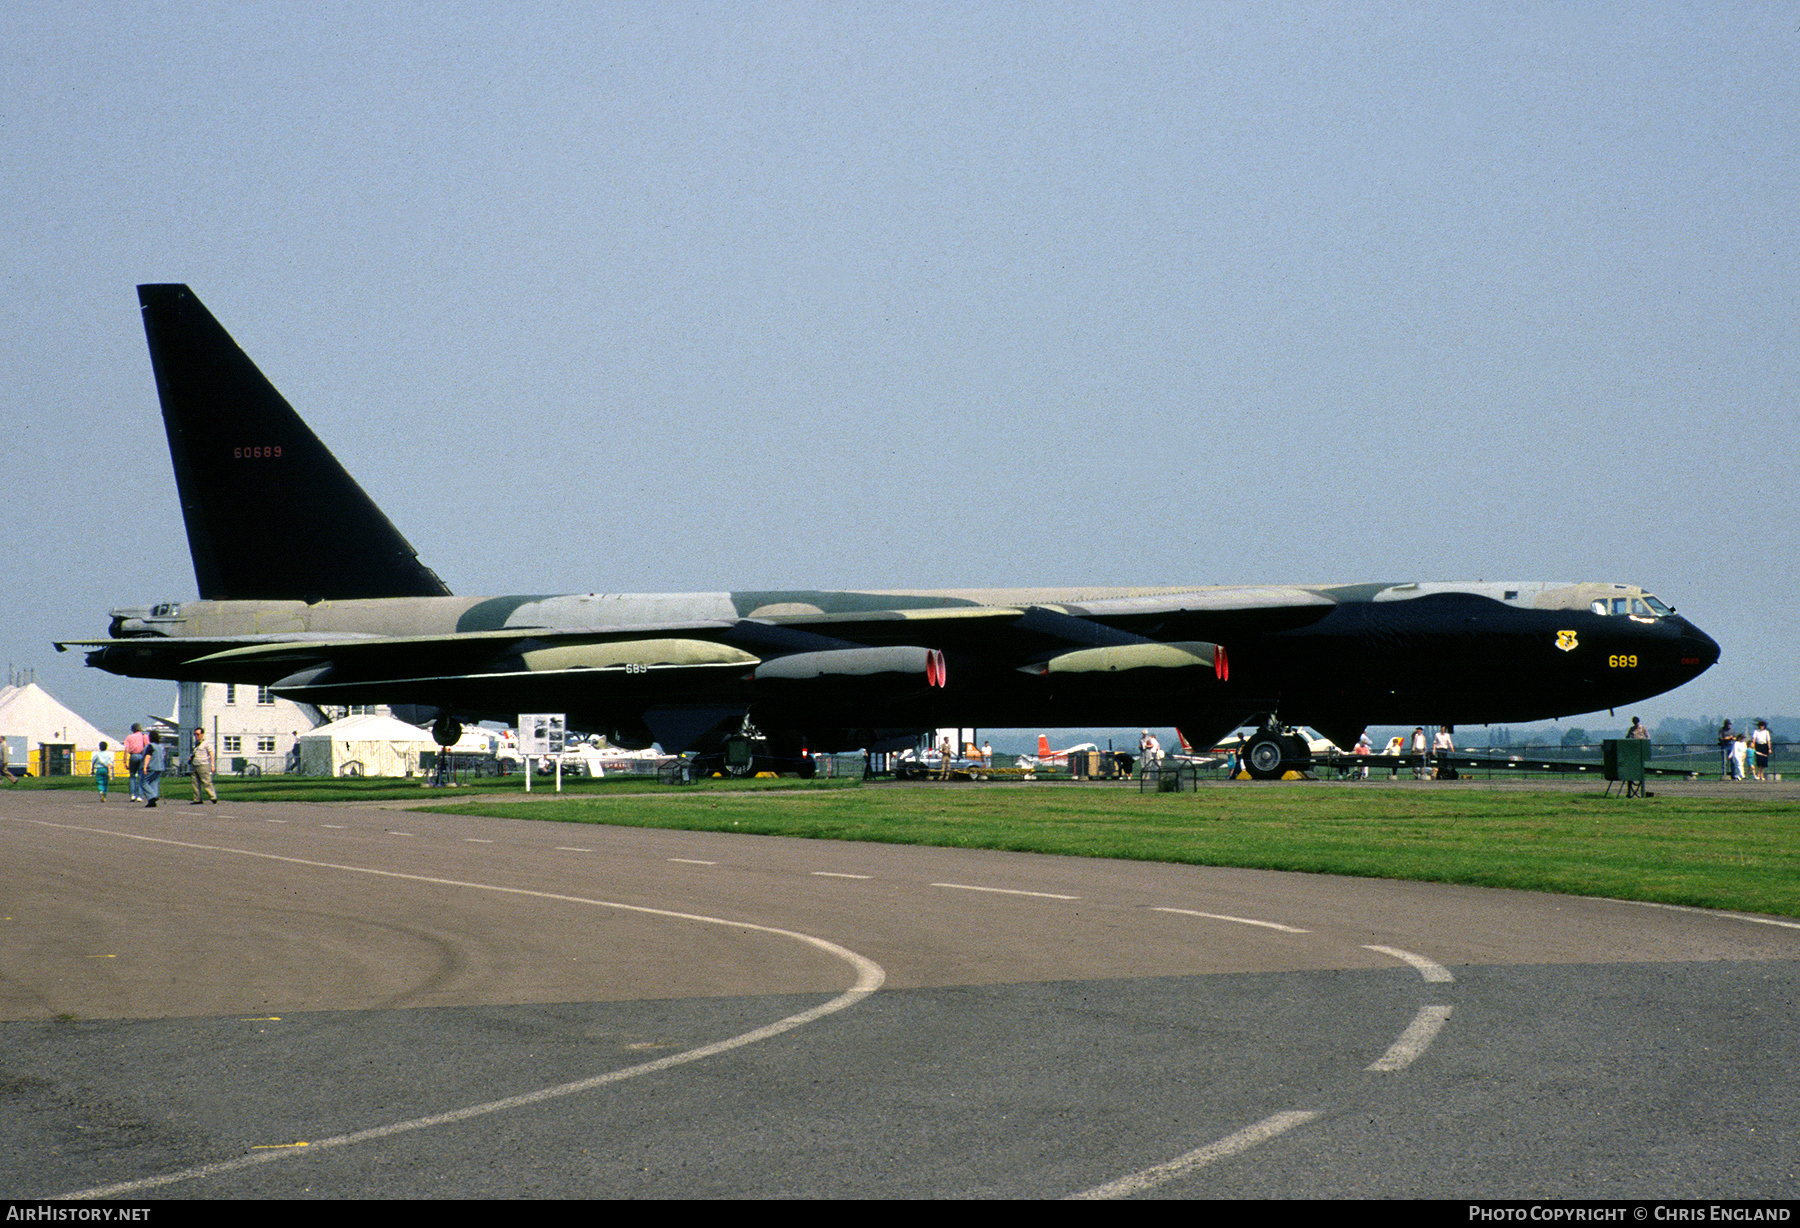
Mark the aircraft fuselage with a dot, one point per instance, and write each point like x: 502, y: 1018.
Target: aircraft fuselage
x: 1336, y: 657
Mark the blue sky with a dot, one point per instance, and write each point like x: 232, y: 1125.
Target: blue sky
x: 652, y: 296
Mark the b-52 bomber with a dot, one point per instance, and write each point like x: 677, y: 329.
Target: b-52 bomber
x: 306, y: 587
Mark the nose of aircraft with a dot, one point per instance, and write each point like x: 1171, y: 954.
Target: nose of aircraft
x: 1697, y: 651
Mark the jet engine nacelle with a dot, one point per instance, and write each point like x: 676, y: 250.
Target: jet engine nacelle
x: 1180, y: 654
x: 918, y: 665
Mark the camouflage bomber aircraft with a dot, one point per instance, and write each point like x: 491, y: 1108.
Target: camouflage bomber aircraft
x: 349, y: 615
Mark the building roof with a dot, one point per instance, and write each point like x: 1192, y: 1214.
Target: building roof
x: 368, y: 727
x: 32, y: 711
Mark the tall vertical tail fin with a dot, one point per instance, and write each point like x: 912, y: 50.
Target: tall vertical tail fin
x: 270, y: 513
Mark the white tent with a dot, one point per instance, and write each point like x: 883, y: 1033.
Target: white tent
x: 32, y: 713
x: 365, y: 745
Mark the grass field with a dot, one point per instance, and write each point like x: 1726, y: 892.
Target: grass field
x: 1738, y: 850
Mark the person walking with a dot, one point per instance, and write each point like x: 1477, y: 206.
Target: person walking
x: 202, y: 763
x: 103, y: 759
x: 136, y: 743
x: 156, y: 762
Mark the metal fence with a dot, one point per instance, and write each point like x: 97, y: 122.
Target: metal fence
x: 1702, y: 759
x: 254, y: 765
x: 1699, y: 760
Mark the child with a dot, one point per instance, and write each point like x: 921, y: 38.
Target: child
x: 102, y: 769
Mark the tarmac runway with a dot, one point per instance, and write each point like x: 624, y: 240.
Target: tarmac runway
x: 307, y: 1001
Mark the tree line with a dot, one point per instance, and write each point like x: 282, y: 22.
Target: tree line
x: 1701, y: 731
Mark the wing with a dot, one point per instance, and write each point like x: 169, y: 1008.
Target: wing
x: 993, y: 664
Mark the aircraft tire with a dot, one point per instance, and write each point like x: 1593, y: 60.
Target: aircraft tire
x: 447, y: 730
x: 1264, y: 755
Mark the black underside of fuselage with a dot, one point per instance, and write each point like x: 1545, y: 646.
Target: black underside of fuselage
x: 1465, y: 659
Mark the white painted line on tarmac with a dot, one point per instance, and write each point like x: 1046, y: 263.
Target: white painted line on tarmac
x: 569, y: 848
x: 689, y: 861
x: 336, y: 826
x: 1414, y: 1041
x: 835, y: 874
x: 869, y: 977
x: 1219, y: 916
x: 274, y: 820
x: 391, y: 832
x: 1713, y: 912
x: 1431, y: 970
x: 1148, y: 1179
x: 475, y: 840
x: 1042, y: 895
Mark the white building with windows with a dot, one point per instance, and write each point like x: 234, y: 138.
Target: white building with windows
x: 251, y: 728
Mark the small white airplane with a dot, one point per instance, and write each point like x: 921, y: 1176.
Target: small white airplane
x: 1315, y: 741
x: 1046, y: 757
x: 589, y: 756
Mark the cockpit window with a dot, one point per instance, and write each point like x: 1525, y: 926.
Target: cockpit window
x: 1637, y: 607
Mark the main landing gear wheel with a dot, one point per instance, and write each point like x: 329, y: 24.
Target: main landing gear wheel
x: 1263, y: 755
x: 1271, y: 754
